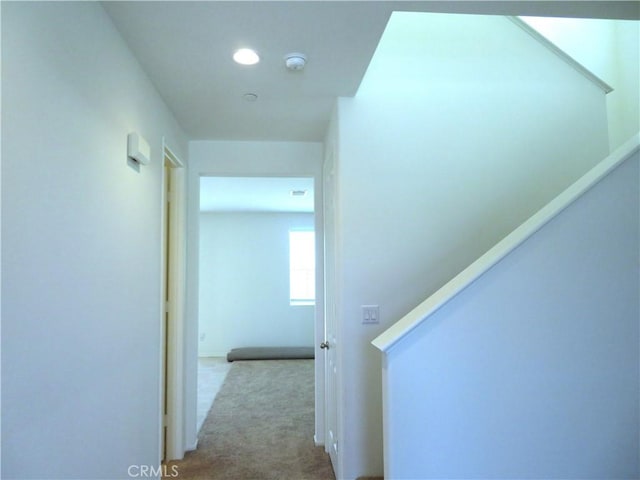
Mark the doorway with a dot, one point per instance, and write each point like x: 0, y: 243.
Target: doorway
x: 236, y: 159
x: 244, y: 229
x: 256, y: 265
x: 173, y: 280
x: 249, y: 249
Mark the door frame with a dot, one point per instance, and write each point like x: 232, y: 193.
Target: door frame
x: 214, y: 167
x: 173, y: 389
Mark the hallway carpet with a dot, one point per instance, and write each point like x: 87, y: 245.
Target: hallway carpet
x: 260, y: 427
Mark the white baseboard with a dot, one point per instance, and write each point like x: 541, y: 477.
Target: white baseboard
x: 193, y: 446
x: 211, y: 354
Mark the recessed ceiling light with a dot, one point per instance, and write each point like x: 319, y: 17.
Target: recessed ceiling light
x: 246, y: 56
x: 250, y: 97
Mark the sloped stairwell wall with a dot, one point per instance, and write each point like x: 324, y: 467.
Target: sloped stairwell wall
x: 462, y: 128
x: 533, y: 370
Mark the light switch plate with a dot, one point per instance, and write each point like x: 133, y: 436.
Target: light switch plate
x: 370, y: 314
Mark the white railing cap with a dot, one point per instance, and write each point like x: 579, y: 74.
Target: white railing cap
x: 564, y: 56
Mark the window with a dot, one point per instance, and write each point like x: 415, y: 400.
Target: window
x: 302, y: 267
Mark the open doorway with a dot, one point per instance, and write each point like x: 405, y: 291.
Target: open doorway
x: 249, y: 160
x: 257, y: 278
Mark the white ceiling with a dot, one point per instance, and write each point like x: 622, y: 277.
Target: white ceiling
x: 186, y: 46
x: 255, y: 194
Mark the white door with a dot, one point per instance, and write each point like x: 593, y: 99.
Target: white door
x: 330, y: 344
x: 332, y: 384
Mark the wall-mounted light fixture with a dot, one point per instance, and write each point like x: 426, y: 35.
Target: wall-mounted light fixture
x: 138, y: 149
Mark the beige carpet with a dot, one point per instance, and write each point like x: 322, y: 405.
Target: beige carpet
x: 260, y: 427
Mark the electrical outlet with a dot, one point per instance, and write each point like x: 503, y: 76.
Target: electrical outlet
x: 370, y: 314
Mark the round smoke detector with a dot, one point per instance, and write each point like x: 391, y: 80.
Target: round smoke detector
x: 295, y: 61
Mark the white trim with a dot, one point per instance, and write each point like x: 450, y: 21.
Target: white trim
x: 319, y: 364
x: 175, y: 447
x: 193, y: 446
x: 564, y: 56
x: 162, y: 420
x: 175, y: 161
x: 419, y: 314
x: 210, y: 354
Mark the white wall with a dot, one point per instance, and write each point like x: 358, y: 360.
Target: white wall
x: 80, y: 247
x: 244, y: 282
x: 611, y: 50
x: 533, y: 371
x: 462, y: 128
x: 252, y: 159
